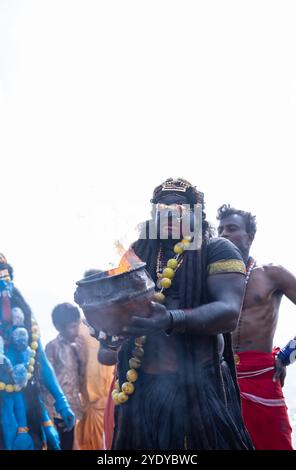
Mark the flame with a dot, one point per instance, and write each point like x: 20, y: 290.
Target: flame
x: 128, y: 262
x: 119, y: 247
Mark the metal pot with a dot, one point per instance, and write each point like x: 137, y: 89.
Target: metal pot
x: 109, y: 302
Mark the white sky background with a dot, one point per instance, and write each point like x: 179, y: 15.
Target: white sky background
x: 100, y: 101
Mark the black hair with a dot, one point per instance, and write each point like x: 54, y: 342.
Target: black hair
x: 8, y: 267
x: 250, y: 220
x: 63, y: 314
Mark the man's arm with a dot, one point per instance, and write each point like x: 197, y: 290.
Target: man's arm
x: 49, y: 353
x: 220, y: 315
x: 284, y: 281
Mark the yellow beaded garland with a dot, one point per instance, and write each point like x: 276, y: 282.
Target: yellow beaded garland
x: 134, y: 363
x: 121, y: 394
x: 122, y: 397
x: 138, y: 352
x: 140, y: 341
x: 179, y: 248
x: 132, y: 375
x: 172, y: 263
x: 159, y: 297
x: 165, y: 282
x: 168, y: 273
x: 128, y: 388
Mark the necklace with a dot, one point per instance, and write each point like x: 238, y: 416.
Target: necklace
x: 165, y: 276
x: 250, y: 266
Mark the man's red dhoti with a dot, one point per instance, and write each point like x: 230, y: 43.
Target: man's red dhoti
x: 263, y: 404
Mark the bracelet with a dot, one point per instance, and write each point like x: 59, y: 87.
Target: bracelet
x: 47, y: 424
x: 287, y: 355
x: 22, y: 430
x: 178, y: 322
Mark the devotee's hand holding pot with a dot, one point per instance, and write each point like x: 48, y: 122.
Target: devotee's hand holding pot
x: 159, y: 319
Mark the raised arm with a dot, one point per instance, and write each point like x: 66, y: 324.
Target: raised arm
x: 284, y: 281
x: 225, y: 291
x: 220, y: 315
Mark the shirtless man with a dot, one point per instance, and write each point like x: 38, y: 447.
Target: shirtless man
x: 260, y: 369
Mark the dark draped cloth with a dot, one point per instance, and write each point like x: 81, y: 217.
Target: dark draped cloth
x: 159, y: 417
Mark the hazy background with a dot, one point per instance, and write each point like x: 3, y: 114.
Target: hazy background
x: 102, y: 100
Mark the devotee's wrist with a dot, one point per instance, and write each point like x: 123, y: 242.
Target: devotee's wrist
x: 287, y: 355
x: 178, y: 322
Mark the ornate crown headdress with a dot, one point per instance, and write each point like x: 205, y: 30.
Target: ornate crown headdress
x: 178, y: 185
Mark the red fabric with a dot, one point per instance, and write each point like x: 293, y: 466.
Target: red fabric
x: 109, y: 418
x: 268, y: 426
x: 6, y: 308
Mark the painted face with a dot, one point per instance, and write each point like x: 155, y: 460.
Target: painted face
x: 4, y: 274
x: 5, y: 282
x: 233, y: 228
x: 20, y: 339
x: 18, y: 317
x: 173, y: 217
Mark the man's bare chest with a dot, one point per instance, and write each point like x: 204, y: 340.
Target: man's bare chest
x: 260, y: 291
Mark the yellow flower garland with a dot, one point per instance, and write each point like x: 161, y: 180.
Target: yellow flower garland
x: 121, y: 394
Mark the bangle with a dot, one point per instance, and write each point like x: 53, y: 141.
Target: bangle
x: 47, y: 424
x: 22, y: 430
x: 288, y: 354
x: 178, y: 322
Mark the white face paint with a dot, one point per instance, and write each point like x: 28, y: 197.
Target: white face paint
x: 18, y: 317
